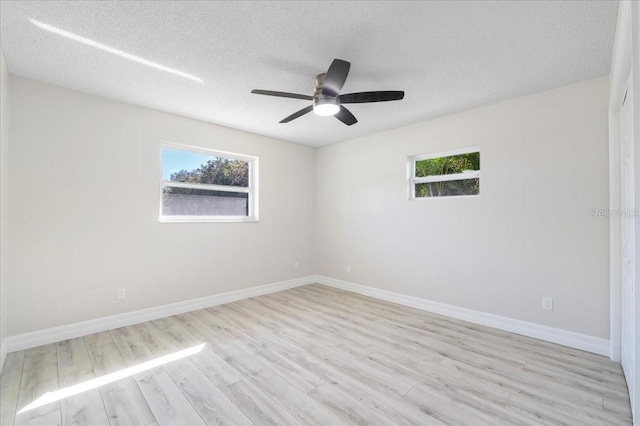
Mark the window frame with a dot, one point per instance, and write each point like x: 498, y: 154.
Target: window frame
x: 413, y: 180
x: 251, y: 189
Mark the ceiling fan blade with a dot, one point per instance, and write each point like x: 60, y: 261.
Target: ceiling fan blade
x: 345, y: 116
x: 335, y: 77
x: 282, y: 94
x: 365, y: 97
x: 297, y: 114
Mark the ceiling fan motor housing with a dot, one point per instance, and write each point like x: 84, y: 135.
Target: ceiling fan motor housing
x: 323, y: 104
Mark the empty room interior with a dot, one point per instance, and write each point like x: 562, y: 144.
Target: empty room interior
x: 319, y: 213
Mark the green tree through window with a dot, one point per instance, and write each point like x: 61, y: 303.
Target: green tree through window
x: 219, y: 171
x: 449, y: 165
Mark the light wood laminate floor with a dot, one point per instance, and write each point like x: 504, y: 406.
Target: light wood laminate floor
x: 313, y: 355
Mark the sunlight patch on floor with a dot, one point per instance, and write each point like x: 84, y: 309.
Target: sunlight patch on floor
x: 60, y: 394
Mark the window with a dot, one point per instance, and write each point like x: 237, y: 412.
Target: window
x: 445, y: 174
x: 199, y: 185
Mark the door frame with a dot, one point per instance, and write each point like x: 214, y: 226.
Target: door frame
x: 625, y: 63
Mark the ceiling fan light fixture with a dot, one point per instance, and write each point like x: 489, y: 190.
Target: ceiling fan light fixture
x: 326, y: 110
x: 326, y: 107
x: 327, y: 99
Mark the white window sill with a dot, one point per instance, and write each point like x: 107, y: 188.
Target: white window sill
x: 164, y: 219
x: 445, y: 196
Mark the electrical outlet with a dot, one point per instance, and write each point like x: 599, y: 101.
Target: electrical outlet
x: 121, y: 294
x: 547, y: 304
x: 296, y: 265
x: 348, y: 268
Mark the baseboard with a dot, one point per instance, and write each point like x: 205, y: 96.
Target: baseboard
x: 584, y: 342
x: 51, y: 335
x: 70, y: 331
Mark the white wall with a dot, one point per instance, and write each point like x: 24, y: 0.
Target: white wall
x: 4, y: 171
x: 83, y: 211
x: 84, y: 206
x: 544, y: 161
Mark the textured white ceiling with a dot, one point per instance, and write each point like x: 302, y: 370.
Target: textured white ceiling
x: 446, y: 56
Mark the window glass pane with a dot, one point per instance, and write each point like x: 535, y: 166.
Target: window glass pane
x: 185, y: 166
x: 200, y: 202
x: 448, y: 165
x: 452, y: 187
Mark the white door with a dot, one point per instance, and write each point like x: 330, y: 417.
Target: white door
x: 627, y: 227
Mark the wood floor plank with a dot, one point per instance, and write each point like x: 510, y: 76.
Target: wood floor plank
x: 444, y: 381
x: 443, y: 411
x: 180, y: 336
x: 256, y: 345
x: 352, y: 330
x: 155, y: 340
x: 10, y: 387
x: 304, y: 408
x: 243, y: 363
x: 96, y: 339
x: 125, y: 404
x: 196, y: 324
x: 74, y: 364
x: 131, y: 345
x: 612, y: 367
x: 294, y: 373
x: 84, y: 409
x: 342, y: 359
x: 350, y: 409
x: 213, y: 363
x: 612, y: 389
x: 39, y: 376
x: 481, y: 366
x: 366, y: 392
x: 167, y: 402
x: 207, y: 399
x: 421, y: 339
x: 379, y: 400
x: 123, y: 401
x: 133, y: 349
x: 52, y: 418
x: 397, y: 409
x: 360, y: 301
x: 549, y: 413
x: 557, y: 397
x: 348, y: 355
x: 618, y: 407
x: 213, y: 406
x: 216, y: 368
x: 348, y: 340
x: 257, y: 333
x: 355, y: 367
x: 260, y: 408
x: 74, y: 368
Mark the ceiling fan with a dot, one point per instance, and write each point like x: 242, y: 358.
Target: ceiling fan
x: 327, y: 99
